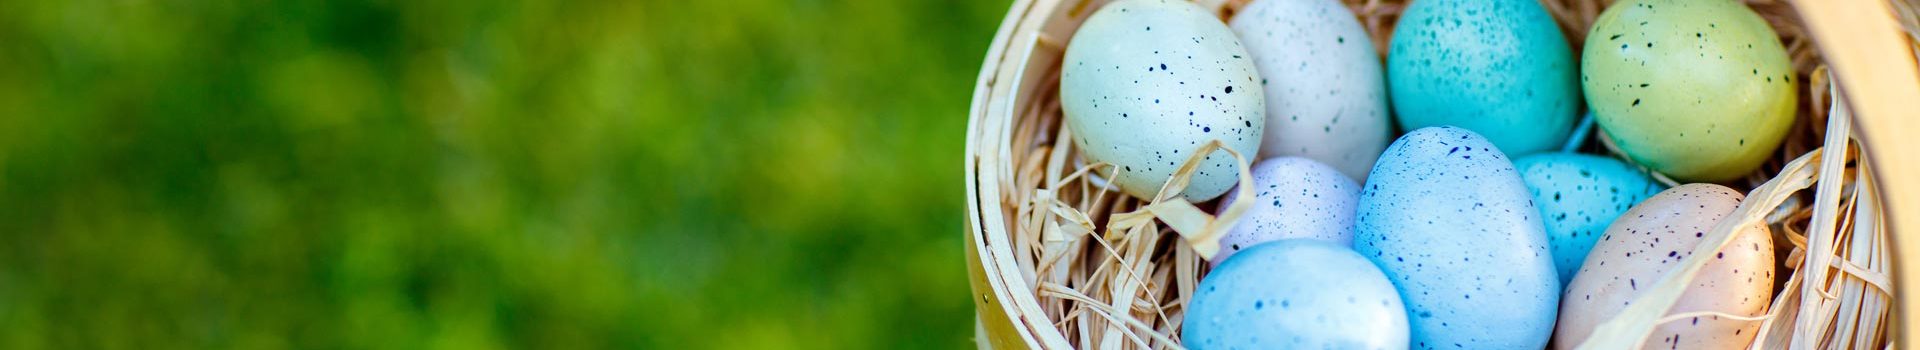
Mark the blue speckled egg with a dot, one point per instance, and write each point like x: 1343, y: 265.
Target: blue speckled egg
x: 1498, y: 67
x: 1294, y: 198
x: 1579, y: 195
x: 1296, y: 294
x: 1147, y: 82
x: 1448, y: 219
x: 1326, y: 92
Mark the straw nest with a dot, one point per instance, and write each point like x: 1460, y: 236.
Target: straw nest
x: 1108, y: 271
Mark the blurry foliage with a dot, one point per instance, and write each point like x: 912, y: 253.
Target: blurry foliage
x: 485, y: 174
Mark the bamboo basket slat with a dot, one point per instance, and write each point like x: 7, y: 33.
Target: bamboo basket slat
x: 1058, y: 260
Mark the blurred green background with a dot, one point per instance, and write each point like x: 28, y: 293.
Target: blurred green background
x: 485, y: 174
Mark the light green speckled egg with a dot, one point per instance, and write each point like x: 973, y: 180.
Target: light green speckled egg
x: 1700, y: 90
x: 1148, y: 82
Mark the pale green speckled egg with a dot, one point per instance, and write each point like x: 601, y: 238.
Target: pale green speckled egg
x: 1147, y: 82
x: 1700, y: 90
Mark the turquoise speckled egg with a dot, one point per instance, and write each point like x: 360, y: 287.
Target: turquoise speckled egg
x: 1448, y: 219
x: 1147, y: 82
x: 1700, y: 90
x: 1498, y: 67
x: 1296, y: 294
x: 1579, y: 195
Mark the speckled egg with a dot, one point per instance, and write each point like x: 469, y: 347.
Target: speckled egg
x: 1294, y: 198
x: 1296, y: 294
x: 1700, y: 90
x: 1451, y: 223
x: 1148, y: 82
x: 1498, y: 67
x: 1578, y: 196
x: 1649, y: 241
x: 1326, y: 94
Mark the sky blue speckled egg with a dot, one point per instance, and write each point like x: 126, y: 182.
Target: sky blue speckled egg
x: 1448, y: 219
x: 1146, y: 82
x: 1294, y: 198
x: 1498, y: 67
x: 1296, y: 294
x: 1579, y: 195
x: 1326, y: 92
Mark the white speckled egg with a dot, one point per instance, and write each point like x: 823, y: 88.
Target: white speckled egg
x: 1578, y: 196
x: 1326, y: 94
x: 1147, y: 82
x: 1646, y: 243
x: 1296, y: 294
x: 1294, y: 198
x: 1448, y: 219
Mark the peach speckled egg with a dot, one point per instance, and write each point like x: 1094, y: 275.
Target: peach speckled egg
x: 1650, y: 240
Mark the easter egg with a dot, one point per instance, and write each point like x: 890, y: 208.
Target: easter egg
x: 1498, y: 67
x: 1647, y: 243
x: 1447, y: 218
x: 1700, y: 90
x: 1148, y: 82
x: 1578, y: 196
x: 1296, y: 294
x: 1325, y: 92
x: 1293, y: 198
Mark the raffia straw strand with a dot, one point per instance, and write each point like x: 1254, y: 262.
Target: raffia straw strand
x: 1095, y: 308
x: 1687, y: 315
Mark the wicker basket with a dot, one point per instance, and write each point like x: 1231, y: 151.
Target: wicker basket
x: 1052, y: 265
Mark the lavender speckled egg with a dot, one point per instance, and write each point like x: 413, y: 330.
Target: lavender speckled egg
x: 1649, y: 241
x: 1294, y: 198
x: 1578, y: 196
x: 1326, y: 93
x: 1498, y: 67
x: 1448, y: 219
x: 1296, y: 294
x: 1700, y: 90
x: 1147, y: 82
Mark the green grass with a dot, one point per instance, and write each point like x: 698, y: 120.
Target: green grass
x: 485, y: 174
